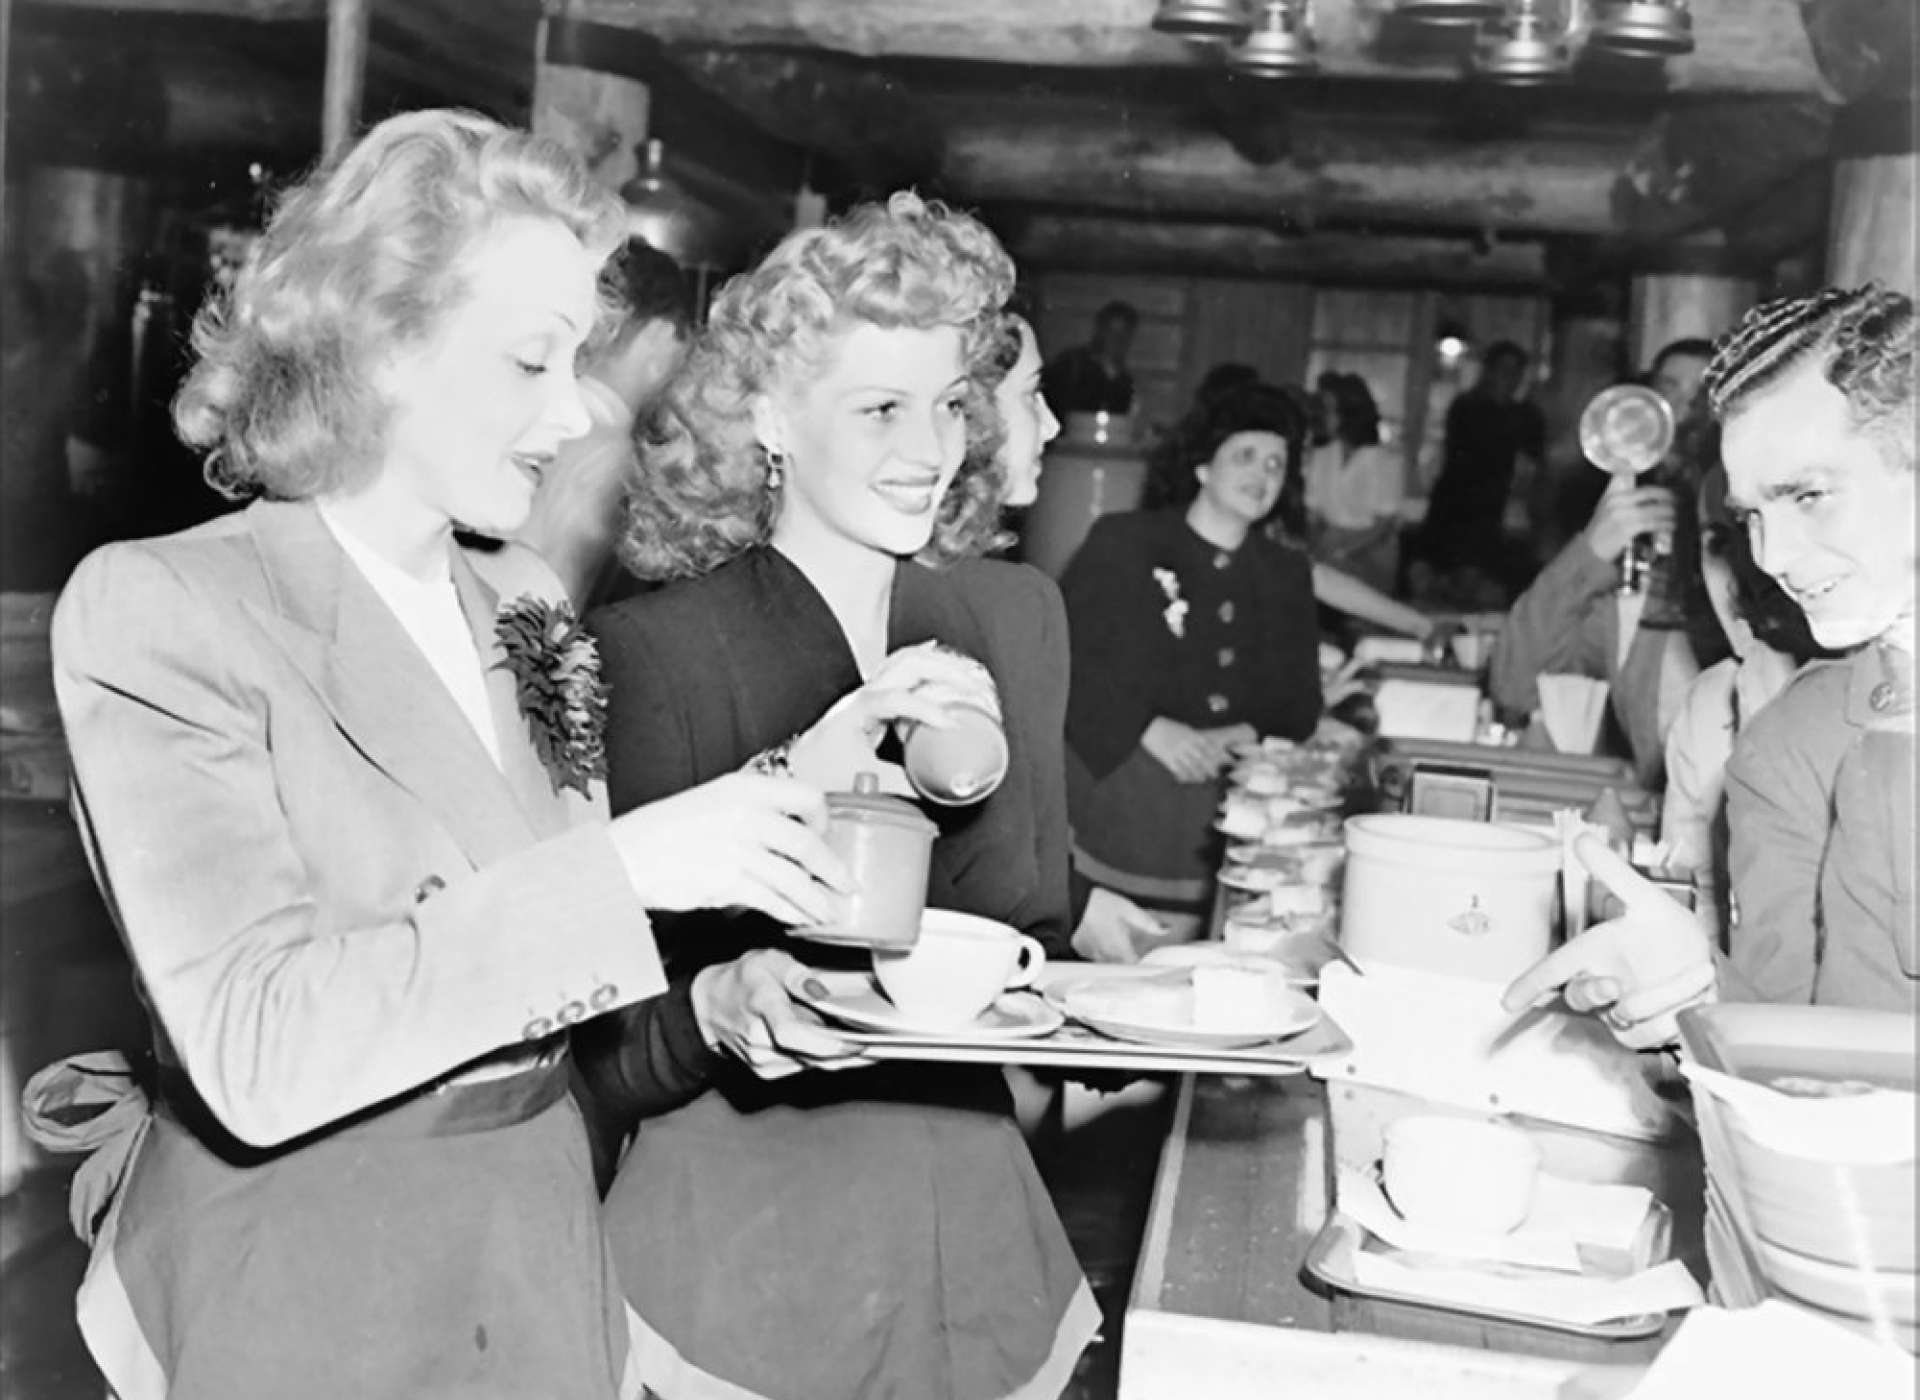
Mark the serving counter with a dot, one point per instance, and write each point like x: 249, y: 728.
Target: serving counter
x: 1221, y: 1306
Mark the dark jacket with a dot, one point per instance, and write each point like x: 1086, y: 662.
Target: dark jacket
x: 706, y: 673
x: 1248, y: 643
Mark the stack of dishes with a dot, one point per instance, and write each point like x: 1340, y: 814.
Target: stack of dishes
x: 1284, y: 858
x: 1282, y: 793
x: 1807, y: 1116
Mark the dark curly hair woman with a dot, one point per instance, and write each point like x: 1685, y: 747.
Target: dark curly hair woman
x: 1192, y: 629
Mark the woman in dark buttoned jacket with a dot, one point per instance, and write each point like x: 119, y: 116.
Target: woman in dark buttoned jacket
x: 1192, y: 630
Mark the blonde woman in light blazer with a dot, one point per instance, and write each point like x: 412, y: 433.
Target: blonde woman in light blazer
x: 340, y: 781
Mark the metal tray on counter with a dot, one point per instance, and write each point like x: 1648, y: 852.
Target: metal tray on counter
x: 1330, y: 1260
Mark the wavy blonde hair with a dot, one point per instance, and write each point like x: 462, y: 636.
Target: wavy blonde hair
x: 701, y: 494
x: 362, y: 256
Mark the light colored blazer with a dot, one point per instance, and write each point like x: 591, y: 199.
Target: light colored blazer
x: 331, y: 893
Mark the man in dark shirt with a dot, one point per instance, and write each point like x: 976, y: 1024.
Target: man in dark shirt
x: 1489, y: 429
x: 1093, y: 378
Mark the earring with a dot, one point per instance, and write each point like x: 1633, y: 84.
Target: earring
x: 776, y: 460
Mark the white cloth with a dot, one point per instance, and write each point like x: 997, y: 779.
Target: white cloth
x: 1773, y: 1349
x: 1353, y: 493
x: 430, y: 611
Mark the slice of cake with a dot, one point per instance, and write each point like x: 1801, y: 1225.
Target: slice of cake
x: 1231, y: 999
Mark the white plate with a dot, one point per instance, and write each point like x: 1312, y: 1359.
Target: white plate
x: 1249, y: 880
x: 1148, y: 1010
x: 1219, y: 955
x: 853, y: 999
x: 1279, y: 836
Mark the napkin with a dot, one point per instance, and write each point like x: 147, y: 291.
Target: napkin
x: 1565, y: 1215
x: 1427, y: 710
x: 1773, y: 1349
x: 1577, y: 1300
x: 1435, y: 1036
x: 1571, y: 707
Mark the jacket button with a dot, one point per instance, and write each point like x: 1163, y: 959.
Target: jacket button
x: 539, y: 1028
x: 1217, y: 704
x: 1226, y: 656
x: 1226, y: 611
x: 428, y: 887
x: 571, y: 1012
x: 1882, y: 696
x: 603, y: 996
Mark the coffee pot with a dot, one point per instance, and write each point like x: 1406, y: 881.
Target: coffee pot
x: 887, y: 846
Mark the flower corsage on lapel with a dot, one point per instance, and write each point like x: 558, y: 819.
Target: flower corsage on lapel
x: 1175, y: 612
x: 556, y: 680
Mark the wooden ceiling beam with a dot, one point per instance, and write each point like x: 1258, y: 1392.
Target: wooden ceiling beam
x: 1741, y: 45
x: 877, y: 127
x: 225, y: 9
x: 1709, y: 164
x: 1139, y: 245
x: 1144, y: 164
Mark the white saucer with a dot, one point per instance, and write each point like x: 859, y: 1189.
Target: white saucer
x: 853, y: 999
x: 1316, y: 831
x: 1256, y: 879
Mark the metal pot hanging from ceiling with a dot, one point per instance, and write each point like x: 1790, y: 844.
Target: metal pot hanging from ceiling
x: 1281, y: 44
x: 1204, y: 21
x: 1522, y: 52
x: 1642, y: 28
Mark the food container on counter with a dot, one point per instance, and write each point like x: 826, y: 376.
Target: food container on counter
x: 1465, y: 898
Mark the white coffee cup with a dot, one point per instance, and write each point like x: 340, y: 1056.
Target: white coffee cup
x: 1462, y: 1173
x: 956, y: 968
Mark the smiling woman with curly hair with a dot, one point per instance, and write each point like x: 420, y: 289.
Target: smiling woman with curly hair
x: 705, y: 492
x: 809, y: 493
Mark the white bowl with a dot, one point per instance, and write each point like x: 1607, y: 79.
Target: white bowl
x: 1889, y: 1294
x: 1460, y: 1173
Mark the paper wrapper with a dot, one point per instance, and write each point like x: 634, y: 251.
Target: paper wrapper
x: 1572, y: 707
x: 1448, y: 1040
x: 1565, y: 1215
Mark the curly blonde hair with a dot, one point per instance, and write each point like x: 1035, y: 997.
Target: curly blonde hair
x: 362, y: 256
x: 701, y: 494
